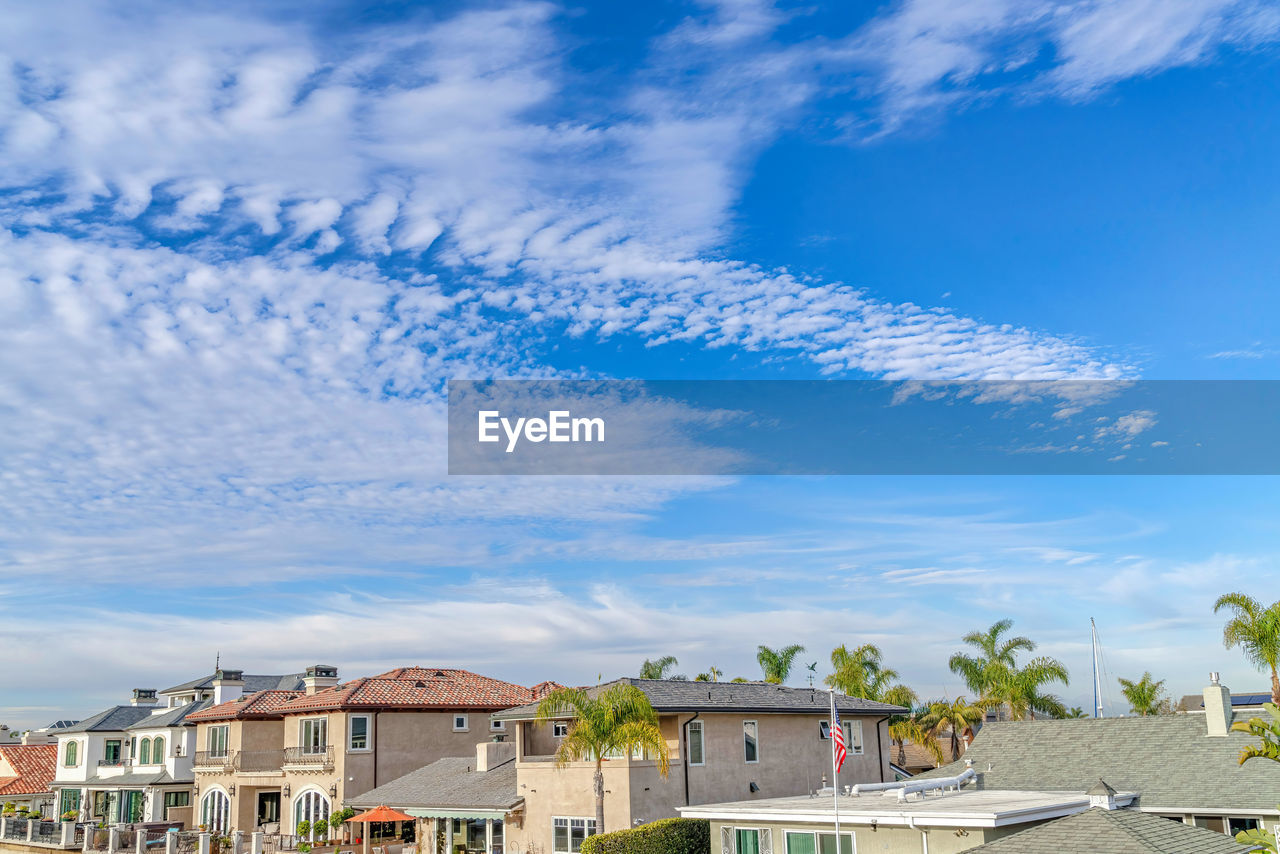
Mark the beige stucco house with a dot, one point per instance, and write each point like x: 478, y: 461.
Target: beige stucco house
x: 275, y: 758
x: 726, y: 741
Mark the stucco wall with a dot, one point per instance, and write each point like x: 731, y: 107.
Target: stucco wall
x: 882, y: 840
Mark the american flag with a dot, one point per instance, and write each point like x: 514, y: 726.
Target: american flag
x: 837, y: 739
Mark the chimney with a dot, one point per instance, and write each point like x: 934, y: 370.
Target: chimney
x: 319, y: 677
x: 491, y: 754
x: 143, y: 697
x: 1102, y: 796
x: 1217, y: 708
x: 228, y: 685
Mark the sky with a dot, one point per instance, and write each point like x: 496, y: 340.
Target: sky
x: 243, y: 248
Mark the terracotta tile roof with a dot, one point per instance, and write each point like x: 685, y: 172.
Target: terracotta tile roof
x: 263, y: 704
x: 542, y: 689
x: 417, y: 687
x: 35, y: 764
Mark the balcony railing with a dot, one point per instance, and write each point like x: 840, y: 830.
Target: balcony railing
x: 118, y: 762
x: 207, y: 759
x: 308, y: 758
x: 259, y: 760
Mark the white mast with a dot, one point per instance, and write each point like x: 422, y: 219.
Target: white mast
x: 1097, y: 671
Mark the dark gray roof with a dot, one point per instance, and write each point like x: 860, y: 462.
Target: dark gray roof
x: 1167, y: 759
x: 1114, y: 832
x: 1195, y: 702
x: 675, y: 695
x: 114, y: 719
x: 448, y: 783
x: 252, y: 684
x: 176, y: 716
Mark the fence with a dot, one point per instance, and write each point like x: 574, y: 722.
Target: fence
x: 154, y: 839
x: 15, y: 828
x: 47, y: 832
x: 188, y: 842
x: 273, y: 843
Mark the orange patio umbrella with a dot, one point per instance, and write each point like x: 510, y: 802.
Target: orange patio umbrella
x: 382, y: 813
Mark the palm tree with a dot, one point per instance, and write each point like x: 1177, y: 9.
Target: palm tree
x: 618, y: 720
x: 658, y: 668
x: 958, y: 716
x: 715, y: 673
x: 911, y: 727
x: 776, y: 663
x: 994, y: 676
x: 1268, y: 731
x: 860, y: 673
x: 1076, y: 712
x: 1144, y: 695
x: 1256, y: 630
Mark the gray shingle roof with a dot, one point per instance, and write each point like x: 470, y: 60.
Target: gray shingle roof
x: 127, y: 780
x: 114, y: 719
x: 1099, y: 831
x: 1167, y: 759
x: 252, y: 684
x: 673, y: 695
x: 176, y: 716
x: 449, y: 783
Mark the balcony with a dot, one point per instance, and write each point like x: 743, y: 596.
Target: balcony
x: 258, y: 761
x: 309, y: 759
x: 117, y: 762
x: 207, y: 760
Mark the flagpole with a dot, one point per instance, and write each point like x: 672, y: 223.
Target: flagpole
x: 835, y: 772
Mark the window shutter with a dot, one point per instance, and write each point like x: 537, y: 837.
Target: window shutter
x: 726, y: 840
x: 766, y: 841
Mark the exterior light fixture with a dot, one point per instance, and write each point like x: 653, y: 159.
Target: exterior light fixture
x: 333, y: 790
x: 231, y: 790
x: 285, y: 791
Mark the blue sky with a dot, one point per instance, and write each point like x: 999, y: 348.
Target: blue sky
x: 242, y: 251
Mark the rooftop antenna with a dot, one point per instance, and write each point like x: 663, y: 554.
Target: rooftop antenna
x: 1097, y: 675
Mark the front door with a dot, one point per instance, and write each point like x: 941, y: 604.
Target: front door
x: 268, y: 807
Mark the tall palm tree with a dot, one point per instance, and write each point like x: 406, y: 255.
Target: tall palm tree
x: 994, y: 676
x: 860, y: 672
x: 1256, y: 630
x: 1076, y: 712
x: 776, y: 663
x: 1144, y: 696
x: 658, y: 668
x: 1022, y: 689
x: 911, y: 727
x: 996, y: 656
x: 619, y: 719
x: 958, y: 716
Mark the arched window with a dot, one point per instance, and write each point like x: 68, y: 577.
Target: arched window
x: 72, y: 749
x: 157, y: 750
x: 310, y: 806
x: 144, y: 752
x: 215, y: 811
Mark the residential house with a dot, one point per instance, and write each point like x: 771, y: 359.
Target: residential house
x: 281, y: 758
x: 224, y: 684
x: 26, y: 775
x: 1183, y: 766
x: 725, y: 740
x: 1241, y: 701
x: 954, y: 817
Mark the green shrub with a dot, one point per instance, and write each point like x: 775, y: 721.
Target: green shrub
x: 666, y: 836
x: 304, y: 827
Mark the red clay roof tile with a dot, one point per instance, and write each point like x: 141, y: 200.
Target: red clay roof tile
x: 35, y: 765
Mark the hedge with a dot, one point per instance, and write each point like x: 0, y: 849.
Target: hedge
x: 665, y: 836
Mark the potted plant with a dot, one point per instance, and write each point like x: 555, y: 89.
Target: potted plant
x: 304, y: 827
x: 70, y: 815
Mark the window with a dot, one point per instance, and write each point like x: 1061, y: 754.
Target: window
x: 217, y: 740
x: 801, y: 843
x: 853, y: 736
x: 560, y: 729
x: 176, y: 799
x: 157, y: 751
x: 461, y: 723
x: 144, y: 754
x: 1236, y: 825
x: 215, y: 811
x: 498, y: 726
x: 751, y: 741
x: 315, y: 732
x: 827, y: 843
x: 746, y: 841
x: 73, y: 748
x: 310, y: 806
x: 358, y: 738
x: 111, y: 754
x: 70, y: 801
x: 568, y: 833
x: 696, y: 756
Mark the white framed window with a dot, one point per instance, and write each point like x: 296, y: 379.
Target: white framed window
x: 461, y: 723
x: 697, y: 755
x: 751, y: 741
x: 216, y: 740
x: 215, y: 811
x: 809, y: 842
x: 568, y: 833
x: 312, y: 807
x: 560, y: 729
x: 746, y: 840
x: 853, y: 737
x: 358, y: 732
x: 313, y: 736
x: 498, y: 726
